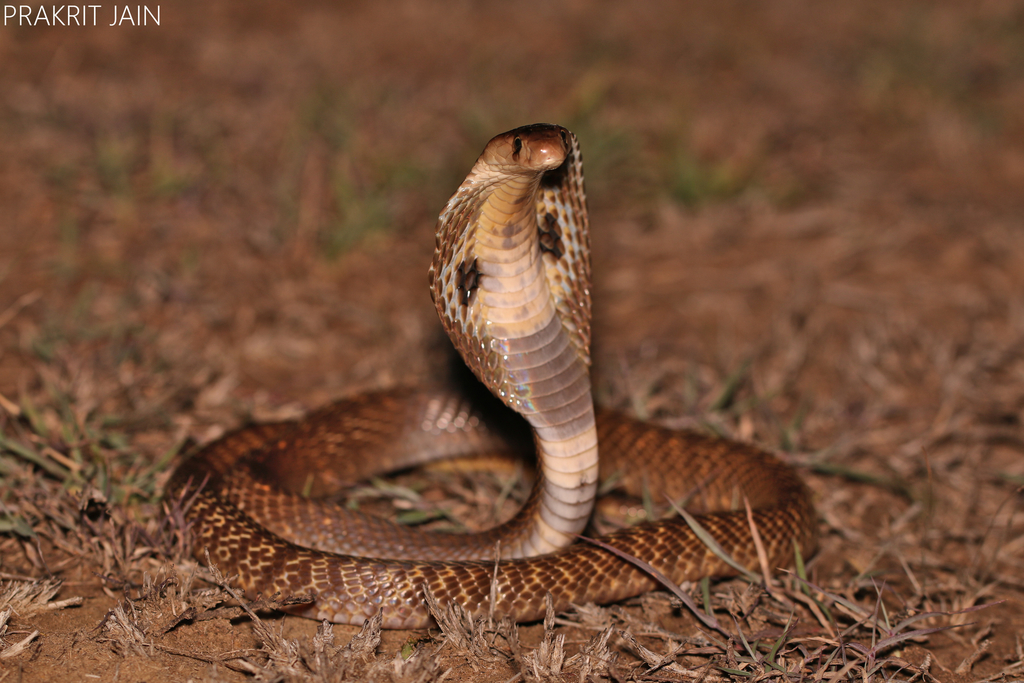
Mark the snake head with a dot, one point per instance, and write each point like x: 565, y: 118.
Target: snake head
x: 526, y: 151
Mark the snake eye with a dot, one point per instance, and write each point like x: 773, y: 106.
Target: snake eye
x: 517, y: 145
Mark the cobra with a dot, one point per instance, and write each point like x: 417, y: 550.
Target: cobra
x: 510, y: 279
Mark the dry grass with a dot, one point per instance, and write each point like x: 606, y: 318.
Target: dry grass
x: 859, y: 627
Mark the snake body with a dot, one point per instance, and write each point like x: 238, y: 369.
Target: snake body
x: 511, y: 282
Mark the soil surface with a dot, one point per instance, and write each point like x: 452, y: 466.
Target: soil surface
x: 808, y: 232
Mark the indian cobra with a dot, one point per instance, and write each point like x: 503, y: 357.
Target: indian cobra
x: 511, y: 282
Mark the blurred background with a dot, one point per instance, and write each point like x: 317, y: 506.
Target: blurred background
x: 806, y: 220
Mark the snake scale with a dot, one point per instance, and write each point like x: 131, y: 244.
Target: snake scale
x: 511, y: 282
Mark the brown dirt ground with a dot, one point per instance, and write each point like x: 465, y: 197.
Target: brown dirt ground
x: 229, y: 216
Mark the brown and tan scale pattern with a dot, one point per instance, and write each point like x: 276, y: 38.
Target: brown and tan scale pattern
x: 251, y: 496
x: 714, y: 473
x: 561, y: 204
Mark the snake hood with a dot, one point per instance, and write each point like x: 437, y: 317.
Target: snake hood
x: 527, y: 182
